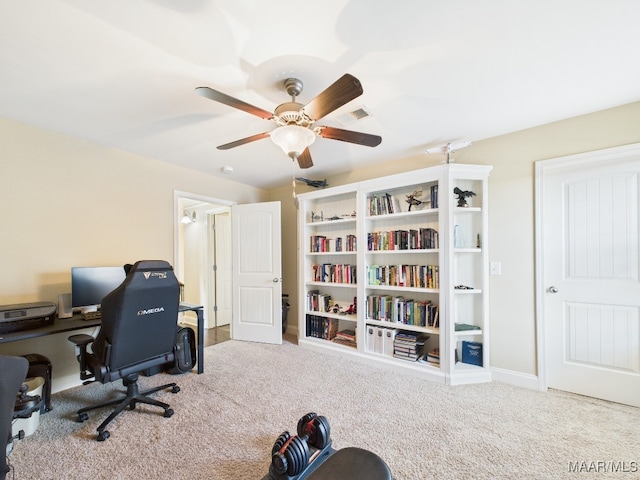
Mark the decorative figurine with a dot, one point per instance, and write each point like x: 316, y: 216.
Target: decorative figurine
x: 462, y: 196
x: 313, y: 183
x: 412, y: 199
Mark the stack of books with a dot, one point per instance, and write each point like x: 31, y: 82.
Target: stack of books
x: 346, y: 337
x: 409, y: 345
x: 432, y: 357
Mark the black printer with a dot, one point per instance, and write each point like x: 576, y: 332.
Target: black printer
x: 26, y: 316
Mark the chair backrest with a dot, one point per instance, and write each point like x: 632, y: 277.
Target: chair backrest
x: 139, y: 318
x: 14, y: 370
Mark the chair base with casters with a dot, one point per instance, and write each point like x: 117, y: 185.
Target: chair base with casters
x: 310, y: 456
x: 132, y: 397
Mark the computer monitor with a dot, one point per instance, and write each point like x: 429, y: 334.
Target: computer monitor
x: 89, y: 285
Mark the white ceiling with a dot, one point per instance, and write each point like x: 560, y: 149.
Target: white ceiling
x: 122, y: 73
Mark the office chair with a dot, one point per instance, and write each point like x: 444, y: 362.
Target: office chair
x: 14, y: 372
x: 138, y: 331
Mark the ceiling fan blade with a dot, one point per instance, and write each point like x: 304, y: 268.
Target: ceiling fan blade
x: 237, y: 143
x: 345, y: 89
x: 349, y: 136
x: 217, y: 96
x: 304, y: 160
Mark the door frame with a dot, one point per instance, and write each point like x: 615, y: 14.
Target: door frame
x: 178, y: 197
x: 213, y: 236
x: 542, y: 168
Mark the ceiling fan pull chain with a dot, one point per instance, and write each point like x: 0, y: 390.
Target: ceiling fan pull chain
x: 294, y: 159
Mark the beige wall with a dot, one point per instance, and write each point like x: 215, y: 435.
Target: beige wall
x: 511, y: 216
x: 67, y: 202
x: 55, y: 188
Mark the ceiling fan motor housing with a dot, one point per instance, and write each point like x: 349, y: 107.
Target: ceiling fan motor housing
x: 291, y: 113
x: 293, y: 87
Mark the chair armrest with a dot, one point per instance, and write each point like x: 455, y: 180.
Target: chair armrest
x: 81, y: 341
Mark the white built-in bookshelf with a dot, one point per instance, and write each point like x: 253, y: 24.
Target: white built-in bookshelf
x: 394, y: 271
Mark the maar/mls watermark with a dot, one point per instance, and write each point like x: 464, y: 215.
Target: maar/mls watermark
x: 604, y: 466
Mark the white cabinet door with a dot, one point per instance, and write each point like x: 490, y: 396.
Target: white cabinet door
x: 257, y: 271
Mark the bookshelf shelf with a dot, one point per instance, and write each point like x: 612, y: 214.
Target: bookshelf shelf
x: 337, y: 316
x: 323, y: 223
x: 331, y: 284
x: 410, y: 231
x: 391, y: 288
x: 467, y: 250
x: 321, y: 254
x: 402, y: 252
x: 407, y: 214
x: 469, y: 333
x: 403, y: 326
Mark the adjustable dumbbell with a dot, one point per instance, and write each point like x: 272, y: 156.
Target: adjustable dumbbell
x: 290, y: 454
x: 315, y: 428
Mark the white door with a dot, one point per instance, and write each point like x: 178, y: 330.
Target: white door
x: 589, y: 289
x: 222, y: 271
x: 257, y: 272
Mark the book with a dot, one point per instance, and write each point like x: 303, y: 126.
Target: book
x: 463, y: 327
x: 472, y: 353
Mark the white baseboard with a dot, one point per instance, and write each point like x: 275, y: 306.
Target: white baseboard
x: 518, y: 379
x: 63, y: 383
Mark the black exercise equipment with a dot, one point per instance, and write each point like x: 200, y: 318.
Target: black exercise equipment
x: 309, y: 456
x: 14, y: 372
x: 40, y: 366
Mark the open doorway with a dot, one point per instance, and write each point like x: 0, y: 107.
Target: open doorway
x: 202, y: 260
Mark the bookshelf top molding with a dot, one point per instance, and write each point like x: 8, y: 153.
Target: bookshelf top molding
x: 454, y: 170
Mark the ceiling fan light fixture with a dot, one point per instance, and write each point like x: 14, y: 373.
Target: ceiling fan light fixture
x: 293, y: 139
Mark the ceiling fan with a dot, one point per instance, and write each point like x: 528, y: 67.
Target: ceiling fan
x: 449, y: 148
x: 295, y: 129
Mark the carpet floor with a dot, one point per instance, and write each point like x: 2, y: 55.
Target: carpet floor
x: 227, y: 419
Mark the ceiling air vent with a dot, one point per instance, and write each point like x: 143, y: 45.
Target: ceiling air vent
x: 354, y: 115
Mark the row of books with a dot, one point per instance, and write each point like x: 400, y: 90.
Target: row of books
x: 350, y: 244
x: 415, y: 276
x: 328, y: 329
x: 387, y: 308
x: 329, y: 273
x: 411, y: 239
x: 433, y: 196
x: 382, y: 204
x: 320, y: 243
x: 386, y: 204
x: 318, y: 302
x: 400, y: 344
x: 322, y: 327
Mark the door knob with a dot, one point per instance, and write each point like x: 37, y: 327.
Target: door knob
x: 552, y: 289
x: 275, y: 280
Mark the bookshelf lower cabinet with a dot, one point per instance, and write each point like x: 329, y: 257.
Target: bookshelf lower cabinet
x: 394, y: 271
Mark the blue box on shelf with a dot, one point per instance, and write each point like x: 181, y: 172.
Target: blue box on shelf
x: 472, y: 353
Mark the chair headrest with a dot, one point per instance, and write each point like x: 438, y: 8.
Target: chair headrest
x: 151, y: 265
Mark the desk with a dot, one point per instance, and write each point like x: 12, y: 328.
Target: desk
x: 61, y: 325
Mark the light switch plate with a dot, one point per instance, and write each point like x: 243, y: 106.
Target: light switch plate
x: 495, y: 268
